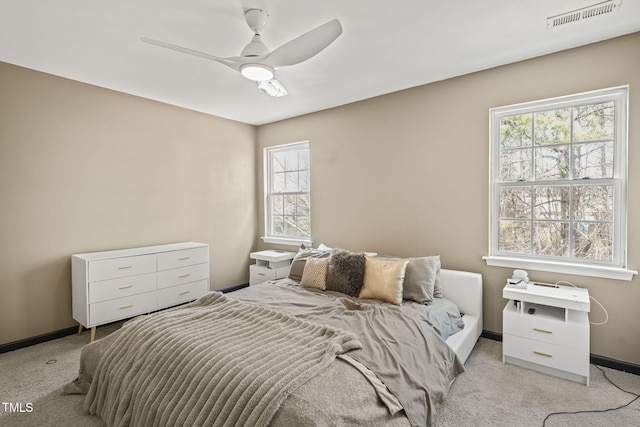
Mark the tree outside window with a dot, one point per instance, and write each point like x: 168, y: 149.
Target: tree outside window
x: 288, y: 197
x: 558, y: 179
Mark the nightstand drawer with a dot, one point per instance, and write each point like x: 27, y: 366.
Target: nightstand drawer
x: 176, y: 259
x: 265, y: 273
x: 182, y: 275
x: 550, y: 355
x: 260, y: 272
x: 122, y: 308
x: 182, y: 293
x: 121, y: 287
x: 539, y: 327
x: 121, y: 267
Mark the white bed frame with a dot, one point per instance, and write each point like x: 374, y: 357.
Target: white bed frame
x: 465, y: 290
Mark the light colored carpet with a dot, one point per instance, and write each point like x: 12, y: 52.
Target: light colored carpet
x: 37, y: 374
x: 489, y: 393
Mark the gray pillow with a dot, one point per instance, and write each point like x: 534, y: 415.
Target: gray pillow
x: 445, y: 317
x: 437, y: 287
x: 346, y: 272
x: 420, y: 279
x: 299, y: 261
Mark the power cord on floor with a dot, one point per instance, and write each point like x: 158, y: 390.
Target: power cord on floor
x: 637, y: 396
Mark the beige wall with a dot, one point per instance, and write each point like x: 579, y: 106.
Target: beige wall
x: 406, y: 174
x: 85, y: 169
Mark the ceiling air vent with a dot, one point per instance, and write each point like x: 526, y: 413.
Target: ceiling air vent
x: 592, y: 11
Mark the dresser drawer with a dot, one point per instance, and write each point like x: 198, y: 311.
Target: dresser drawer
x: 176, y: 259
x: 122, y: 308
x: 541, y: 328
x: 546, y: 354
x: 178, y: 276
x: 121, y: 267
x: 121, y: 287
x: 182, y: 293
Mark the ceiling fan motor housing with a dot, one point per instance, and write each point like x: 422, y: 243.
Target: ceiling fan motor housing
x: 255, y: 47
x: 257, y: 19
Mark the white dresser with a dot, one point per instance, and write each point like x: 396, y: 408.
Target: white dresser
x: 114, y: 285
x: 547, y: 329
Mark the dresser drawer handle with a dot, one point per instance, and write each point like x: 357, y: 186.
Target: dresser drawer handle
x: 184, y: 292
x: 124, y: 267
x: 539, y: 353
x: 543, y: 330
x: 183, y: 258
x: 126, y: 287
x: 185, y: 275
x: 126, y: 306
x: 260, y: 274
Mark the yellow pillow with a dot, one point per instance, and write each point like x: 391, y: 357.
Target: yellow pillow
x: 383, y: 278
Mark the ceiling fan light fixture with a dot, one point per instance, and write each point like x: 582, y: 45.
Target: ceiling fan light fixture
x: 257, y: 72
x: 272, y: 87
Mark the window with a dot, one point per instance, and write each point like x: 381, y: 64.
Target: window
x: 558, y: 185
x: 287, y: 191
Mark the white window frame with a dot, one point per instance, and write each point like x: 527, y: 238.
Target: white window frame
x: 270, y: 237
x: 617, y: 268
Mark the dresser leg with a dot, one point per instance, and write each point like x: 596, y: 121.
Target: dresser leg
x: 93, y: 334
x: 79, y: 329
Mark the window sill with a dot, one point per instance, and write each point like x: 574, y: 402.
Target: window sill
x: 564, y: 268
x: 287, y: 241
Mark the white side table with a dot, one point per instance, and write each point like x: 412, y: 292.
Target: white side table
x: 270, y: 265
x: 547, y: 329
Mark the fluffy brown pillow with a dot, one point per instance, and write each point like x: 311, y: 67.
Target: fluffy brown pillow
x: 383, y: 279
x: 420, y: 278
x: 346, y: 272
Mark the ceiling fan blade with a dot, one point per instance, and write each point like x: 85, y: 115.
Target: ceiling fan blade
x: 305, y: 46
x: 229, y: 62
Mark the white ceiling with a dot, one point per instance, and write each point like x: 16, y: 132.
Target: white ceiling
x: 386, y: 46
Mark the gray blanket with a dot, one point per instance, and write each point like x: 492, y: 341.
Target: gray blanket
x: 215, y: 362
x: 398, y: 347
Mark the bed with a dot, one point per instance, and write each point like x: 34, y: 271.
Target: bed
x: 281, y: 354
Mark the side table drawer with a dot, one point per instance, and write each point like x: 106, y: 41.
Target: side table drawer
x: 182, y: 275
x: 121, y: 287
x: 121, y: 267
x: 540, y: 328
x: 122, y: 308
x: 176, y: 259
x: 266, y: 273
x: 551, y: 355
x: 182, y: 293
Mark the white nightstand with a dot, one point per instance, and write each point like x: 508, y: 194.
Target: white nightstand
x: 547, y: 329
x: 270, y: 265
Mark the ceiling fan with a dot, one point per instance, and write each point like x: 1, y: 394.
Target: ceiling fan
x: 256, y: 62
